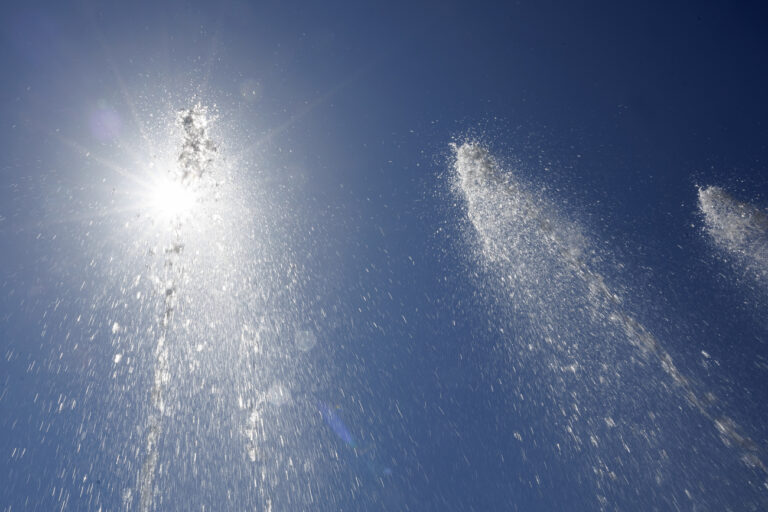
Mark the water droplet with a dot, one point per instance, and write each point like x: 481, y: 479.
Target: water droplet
x: 278, y: 395
x: 305, y: 340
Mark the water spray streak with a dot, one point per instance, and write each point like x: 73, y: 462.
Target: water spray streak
x: 740, y: 229
x: 542, y: 258
x: 198, y: 150
x: 195, y: 161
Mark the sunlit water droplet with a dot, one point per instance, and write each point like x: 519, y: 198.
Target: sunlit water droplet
x: 305, y: 340
x: 278, y: 395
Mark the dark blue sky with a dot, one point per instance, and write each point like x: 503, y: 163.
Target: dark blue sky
x: 340, y: 116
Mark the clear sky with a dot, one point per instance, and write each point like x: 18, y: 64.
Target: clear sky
x: 352, y: 328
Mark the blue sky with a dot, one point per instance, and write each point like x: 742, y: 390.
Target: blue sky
x: 333, y: 123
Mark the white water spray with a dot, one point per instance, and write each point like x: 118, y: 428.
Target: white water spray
x: 549, y: 272
x: 189, y: 181
x: 739, y: 228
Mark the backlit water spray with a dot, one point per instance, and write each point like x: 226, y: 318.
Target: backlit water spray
x: 186, y: 184
x: 602, y: 384
x: 740, y: 229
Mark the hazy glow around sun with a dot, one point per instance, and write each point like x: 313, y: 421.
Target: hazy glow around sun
x: 170, y: 199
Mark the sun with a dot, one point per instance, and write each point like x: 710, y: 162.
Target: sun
x: 170, y: 200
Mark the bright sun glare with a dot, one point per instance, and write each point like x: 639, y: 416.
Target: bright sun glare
x: 171, y: 199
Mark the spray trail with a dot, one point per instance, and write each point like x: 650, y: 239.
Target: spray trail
x: 740, y: 229
x: 477, y: 170
x: 195, y: 161
x: 549, y: 271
